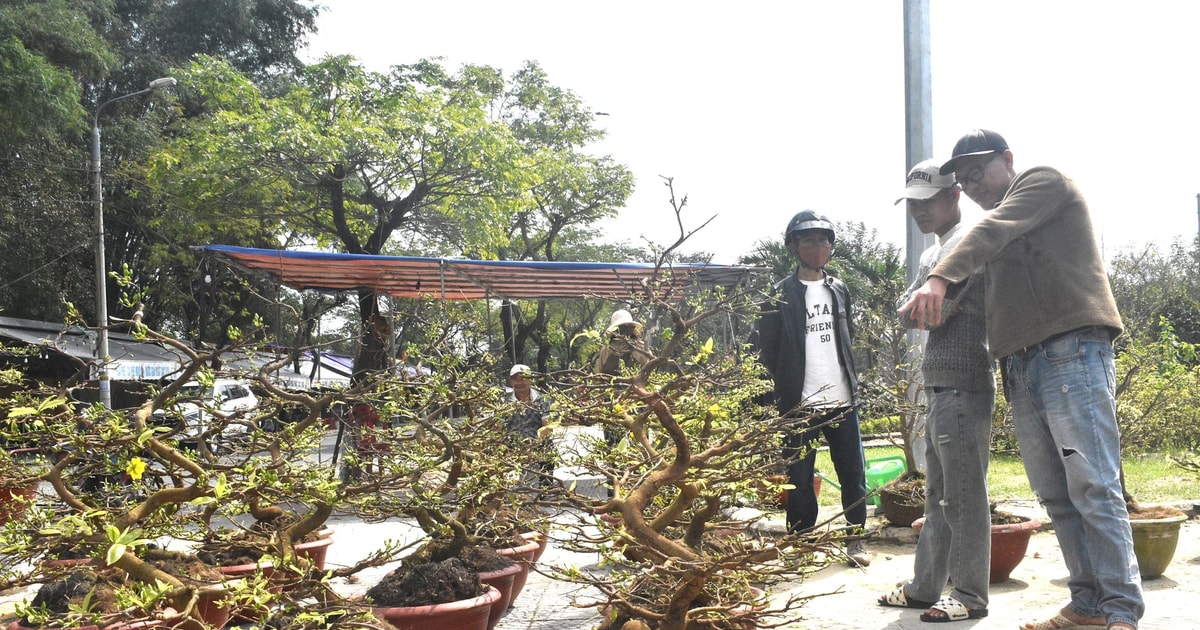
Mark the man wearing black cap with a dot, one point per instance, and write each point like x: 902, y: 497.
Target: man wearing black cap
x: 960, y: 389
x: 1051, y: 319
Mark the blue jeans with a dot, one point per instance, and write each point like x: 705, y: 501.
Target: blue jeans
x: 1064, y: 412
x: 840, y: 427
x: 956, y: 540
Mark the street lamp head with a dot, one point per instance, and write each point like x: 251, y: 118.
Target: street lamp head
x: 164, y: 82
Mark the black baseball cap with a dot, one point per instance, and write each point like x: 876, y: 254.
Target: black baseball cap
x: 975, y: 142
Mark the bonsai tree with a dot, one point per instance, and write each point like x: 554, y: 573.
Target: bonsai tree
x: 118, y: 482
x: 692, y: 440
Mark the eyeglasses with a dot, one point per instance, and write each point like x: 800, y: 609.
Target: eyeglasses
x: 974, y: 175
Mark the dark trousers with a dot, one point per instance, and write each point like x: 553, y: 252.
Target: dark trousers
x: 840, y: 428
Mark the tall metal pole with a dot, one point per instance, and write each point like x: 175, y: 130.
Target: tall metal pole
x: 101, y: 275
x: 918, y: 114
x: 918, y: 144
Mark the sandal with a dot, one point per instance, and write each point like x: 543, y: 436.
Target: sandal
x: 899, y: 599
x: 953, y: 610
x: 1060, y: 622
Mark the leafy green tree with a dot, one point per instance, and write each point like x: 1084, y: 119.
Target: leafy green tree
x: 1152, y: 286
x: 46, y: 50
x: 352, y: 160
x: 258, y: 37
x: 58, y: 61
x: 1158, y: 393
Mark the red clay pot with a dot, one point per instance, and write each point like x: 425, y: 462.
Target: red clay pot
x: 316, y: 550
x: 501, y: 580
x: 467, y: 614
x: 1009, y: 543
x: 523, y: 556
x: 543, y: 541
x: 14, y: 501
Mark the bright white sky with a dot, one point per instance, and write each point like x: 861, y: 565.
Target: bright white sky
x: 760, y: 109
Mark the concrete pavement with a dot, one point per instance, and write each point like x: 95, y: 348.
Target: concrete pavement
x: 1036, y: 589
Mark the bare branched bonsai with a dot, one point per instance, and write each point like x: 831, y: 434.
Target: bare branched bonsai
x: 693, y: 440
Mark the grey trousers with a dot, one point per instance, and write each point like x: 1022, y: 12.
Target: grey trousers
x: 956, y: 540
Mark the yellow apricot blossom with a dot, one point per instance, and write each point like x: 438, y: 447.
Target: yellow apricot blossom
x: 135, y: 468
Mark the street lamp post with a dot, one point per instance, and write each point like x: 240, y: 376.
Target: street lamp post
x: 101, y: 276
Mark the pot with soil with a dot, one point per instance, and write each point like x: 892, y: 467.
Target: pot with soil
x: 59, y: 601
x: 543, y: 541
x: 242, y: 553
x: 15, y: 500
x: 1155, y: 536
x: 524, y: 555
x: 316, y: 550
x: 903, y: 500
x: 433, y: 596
x: 1010, y: 540
x: 496, y: 571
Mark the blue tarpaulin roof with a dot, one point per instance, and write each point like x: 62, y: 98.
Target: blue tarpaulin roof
x: 459, y: 279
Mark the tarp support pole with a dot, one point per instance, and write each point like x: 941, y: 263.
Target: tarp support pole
x: 442, y: 278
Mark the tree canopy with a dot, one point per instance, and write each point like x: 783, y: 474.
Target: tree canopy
x: 464, y: 162
x: 59, y: 60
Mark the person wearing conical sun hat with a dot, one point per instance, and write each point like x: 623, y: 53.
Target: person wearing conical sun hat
x: 624, y: 350
x: 624, y: 347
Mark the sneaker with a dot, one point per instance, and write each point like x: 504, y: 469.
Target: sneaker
x: 856, y: 552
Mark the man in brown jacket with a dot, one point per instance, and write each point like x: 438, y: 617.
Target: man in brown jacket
x: 1051, y: 319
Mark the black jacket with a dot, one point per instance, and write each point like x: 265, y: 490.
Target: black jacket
x: 781, y: 335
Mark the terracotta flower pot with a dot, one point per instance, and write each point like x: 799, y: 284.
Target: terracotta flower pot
x: 543, y: 541
x: 14, y: 501
x: 316, y: 551
x: 212, y: 607
x: 250, y: 613
x: 522, y: 555
x: 501, y: 580
x: 1009, y: 543
x: 737, y: 615
x: 1154, y: 542
x: 467, y: 614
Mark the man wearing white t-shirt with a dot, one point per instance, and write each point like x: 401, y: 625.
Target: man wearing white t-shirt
x: 804, y: 339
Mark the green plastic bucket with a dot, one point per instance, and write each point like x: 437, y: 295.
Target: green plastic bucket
x: 882, y: 470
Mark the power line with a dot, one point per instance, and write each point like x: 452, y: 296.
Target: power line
x: 64, y: 255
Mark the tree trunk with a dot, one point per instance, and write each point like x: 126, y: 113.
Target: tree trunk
x: 375, y: 332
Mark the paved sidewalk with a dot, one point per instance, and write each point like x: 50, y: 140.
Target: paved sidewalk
x: 1036, y: 589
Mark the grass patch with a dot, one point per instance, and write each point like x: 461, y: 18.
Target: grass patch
x: 1150, y: 478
